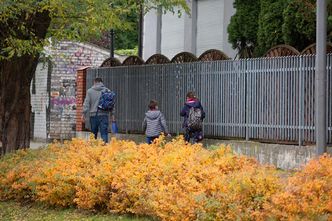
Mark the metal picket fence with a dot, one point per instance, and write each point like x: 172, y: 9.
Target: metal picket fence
x: 269, y: 99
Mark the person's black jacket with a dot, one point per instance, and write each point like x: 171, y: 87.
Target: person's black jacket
x: 185, y: 110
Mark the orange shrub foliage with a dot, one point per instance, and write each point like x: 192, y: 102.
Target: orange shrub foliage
x: 17, y: 169
x: 170, y: 181
x: 307, y: 195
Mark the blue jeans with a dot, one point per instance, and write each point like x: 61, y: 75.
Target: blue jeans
x: 100, y: 123
x: 149, y: 140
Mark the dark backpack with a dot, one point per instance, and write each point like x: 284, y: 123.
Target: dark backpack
x: 195, y: 119
x: 107, y: 100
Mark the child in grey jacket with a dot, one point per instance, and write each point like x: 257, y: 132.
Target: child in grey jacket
x: 154, y: 123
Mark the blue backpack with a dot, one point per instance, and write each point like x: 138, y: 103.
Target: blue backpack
x: 107, y: 100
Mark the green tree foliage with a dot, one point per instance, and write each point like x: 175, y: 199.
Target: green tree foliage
x: 299, y: 27
x: 124, y: 38
x: 290, y: 22
x: 270, y: 22
x: 26, y: 26
x: 69, y: 19
x: 243, y: 27
x: 127, y: 52
x: 128, y: 39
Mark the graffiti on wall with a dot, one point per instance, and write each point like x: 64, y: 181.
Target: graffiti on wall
x: 68, y: 88
x: 60, y: 106
x: 68, y: 58
x: 63, y: 98
x: 65, y: 102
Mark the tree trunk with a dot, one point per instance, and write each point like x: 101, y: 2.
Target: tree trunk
x: 15, y: 78
x: 15, y: 105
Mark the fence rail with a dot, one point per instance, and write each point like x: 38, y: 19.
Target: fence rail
x: 262, y: 98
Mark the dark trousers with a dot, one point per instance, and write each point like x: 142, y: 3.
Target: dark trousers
x: 197, y: 135
x: 100, y: 123
x: 149, y: 140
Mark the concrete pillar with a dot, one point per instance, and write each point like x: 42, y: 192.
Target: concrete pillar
x: 159, y: 24
x: 140, y: 30
x: 152, y: 33
x: 320, y: 78
x: 190, y: 28
x: 229, y: 11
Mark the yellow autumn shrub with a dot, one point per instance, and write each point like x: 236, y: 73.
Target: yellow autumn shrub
x: 307, y: 195
x: 167, y: 180
x: 17, y: 169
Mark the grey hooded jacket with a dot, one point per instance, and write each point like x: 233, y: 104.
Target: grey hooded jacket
x: 91, y: 101
x: 154, y: 123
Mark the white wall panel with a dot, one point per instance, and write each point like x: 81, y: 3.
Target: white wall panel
x: 40, y: 101
x: 210, y: 24
x: 172, y: 34
x: 150, y: 34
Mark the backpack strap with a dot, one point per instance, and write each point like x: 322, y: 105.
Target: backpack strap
x: 99, y: 99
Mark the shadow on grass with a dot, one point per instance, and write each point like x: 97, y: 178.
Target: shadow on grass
x: 11, y: 210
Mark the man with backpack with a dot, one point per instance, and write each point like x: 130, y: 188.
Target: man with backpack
x: 193, y: 114
x: 98, y: 104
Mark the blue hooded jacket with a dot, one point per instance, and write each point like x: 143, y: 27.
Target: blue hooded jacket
x: 185, y: 110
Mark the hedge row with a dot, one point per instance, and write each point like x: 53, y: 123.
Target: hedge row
x: 169, y: 181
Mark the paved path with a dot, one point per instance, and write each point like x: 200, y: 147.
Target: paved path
x: 36, y: 145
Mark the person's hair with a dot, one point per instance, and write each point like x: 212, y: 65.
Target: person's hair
x: 152, y: 105
x: 98, y: 80
x: 190, y: 94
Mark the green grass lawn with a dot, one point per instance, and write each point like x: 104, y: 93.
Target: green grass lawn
x: 16, y: 211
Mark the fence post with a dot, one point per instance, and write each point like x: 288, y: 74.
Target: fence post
x: 301, y: 100
x: 247, y: 90
x: 126, y: 97
x: 320, y: 78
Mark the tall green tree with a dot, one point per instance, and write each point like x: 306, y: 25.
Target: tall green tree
x: 25, y: 28
x: 270, y: 22
x: 242, y: 30
x: 124, y: 38
x: 299, y: 27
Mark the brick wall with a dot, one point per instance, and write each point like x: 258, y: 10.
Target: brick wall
x: 66, y: 58
x: 80, y: 95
